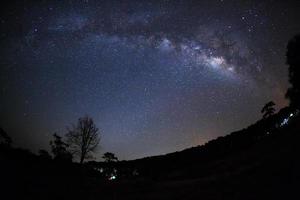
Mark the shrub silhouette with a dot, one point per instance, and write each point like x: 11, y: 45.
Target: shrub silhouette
x: 4, y: 138
x: 59, y: 149
x: 109, y: 157
x: 43, y: 154
x: 268, y: 110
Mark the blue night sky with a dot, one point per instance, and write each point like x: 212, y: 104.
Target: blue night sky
x: 156, y: 76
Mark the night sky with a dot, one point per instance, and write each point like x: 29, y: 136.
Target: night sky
x: 156, y: 76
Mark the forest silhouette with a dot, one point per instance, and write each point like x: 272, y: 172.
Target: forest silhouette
x: 260, y: 161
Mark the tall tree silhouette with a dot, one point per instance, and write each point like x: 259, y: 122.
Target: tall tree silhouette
x: 109, y: 157
x: 268, y: 109
x: 83, y: 138
x: 293, y: 60
x: 59, y: 149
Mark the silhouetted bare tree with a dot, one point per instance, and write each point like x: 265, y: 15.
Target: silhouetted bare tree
x: 59, y: 149
x: 83, y: 138
x: 268, y: 110
x: 109, y: 157
x: 293, y: 60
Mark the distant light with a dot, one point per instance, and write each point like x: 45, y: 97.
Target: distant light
x: 291, y: 115
x: 113, y: 177
x: 285, y: 121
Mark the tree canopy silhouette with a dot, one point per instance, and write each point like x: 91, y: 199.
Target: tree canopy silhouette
x: 59, y: 149
x: 83, y: 138
x: 293, y: 60
x: 268, y: 110
x: 109, y: 157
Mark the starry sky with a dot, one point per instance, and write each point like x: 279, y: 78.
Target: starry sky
x: 156, y: 76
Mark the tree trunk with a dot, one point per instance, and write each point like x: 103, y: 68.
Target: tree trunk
x: 81, y: 159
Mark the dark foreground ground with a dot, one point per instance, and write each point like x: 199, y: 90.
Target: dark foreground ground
x: 267, y: 169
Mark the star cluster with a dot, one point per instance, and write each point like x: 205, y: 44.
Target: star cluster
x: 156, y: 76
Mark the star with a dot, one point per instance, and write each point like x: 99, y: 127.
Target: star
x: 151, y: 74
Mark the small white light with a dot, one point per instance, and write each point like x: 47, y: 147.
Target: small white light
x: 113, y: 177
x: 285, y: 121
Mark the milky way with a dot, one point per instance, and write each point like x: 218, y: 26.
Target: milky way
x: 156, y: 76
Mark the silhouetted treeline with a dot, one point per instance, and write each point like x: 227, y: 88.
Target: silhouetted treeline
x: 293, y: 60
x: 161, y: 166
x: 30, y: 176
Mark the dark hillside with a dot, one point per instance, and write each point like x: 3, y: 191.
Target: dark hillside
x: 259, y: 162
x: 268, y: 169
